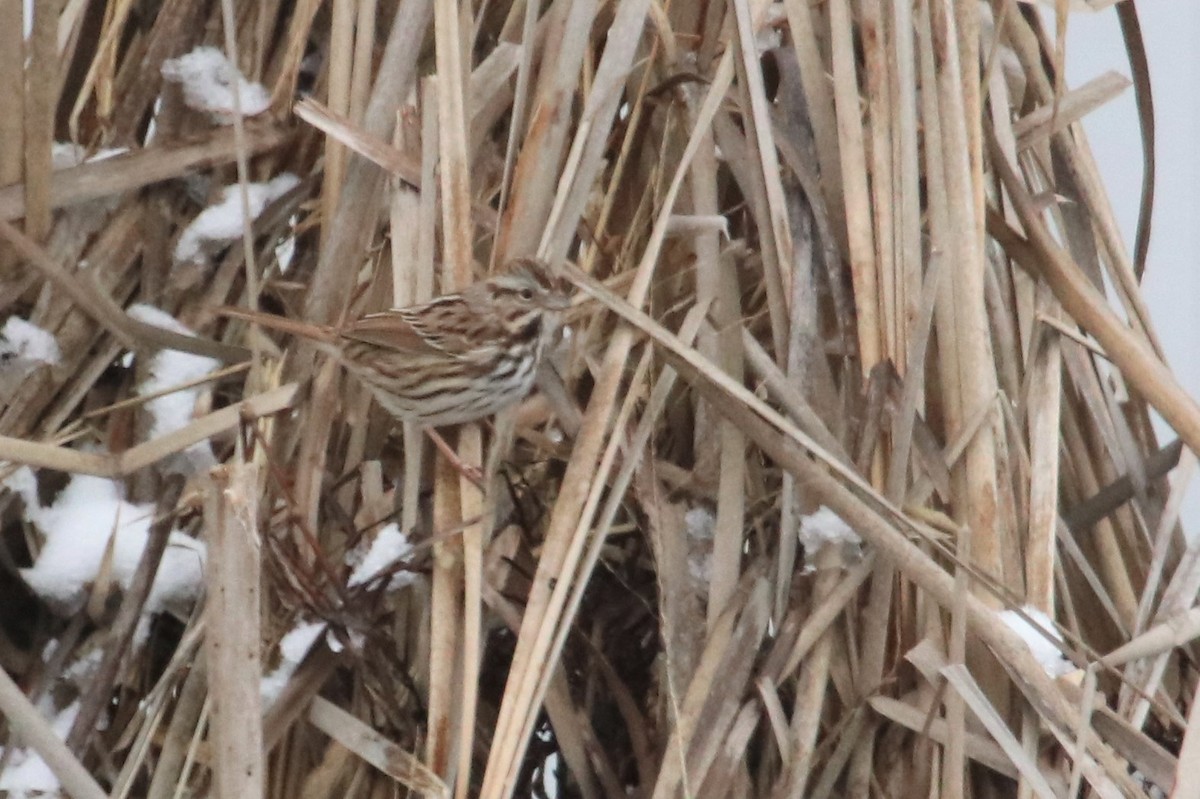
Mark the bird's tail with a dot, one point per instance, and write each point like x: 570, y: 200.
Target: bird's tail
x: 320, y: 333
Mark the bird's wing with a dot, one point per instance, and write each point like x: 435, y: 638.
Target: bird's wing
x: 398, y: 330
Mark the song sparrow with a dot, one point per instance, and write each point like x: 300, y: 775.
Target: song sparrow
x: 457, y: 358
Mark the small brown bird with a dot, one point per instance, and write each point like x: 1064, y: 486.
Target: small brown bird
x: 457, y: 358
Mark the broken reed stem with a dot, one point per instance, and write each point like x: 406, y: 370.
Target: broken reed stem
x: 234, y: 631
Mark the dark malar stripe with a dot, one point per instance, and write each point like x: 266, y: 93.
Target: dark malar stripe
x: 531, y: 330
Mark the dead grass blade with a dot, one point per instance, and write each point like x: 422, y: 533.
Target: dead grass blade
x: 381, y: 753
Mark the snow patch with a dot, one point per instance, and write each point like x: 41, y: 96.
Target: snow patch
x: 767, y: 38
x: 1043, y: 649
x: 83, y: 668
x: 222, y: 221
x: 27, y: 775
x: 77, y: 529
x: 700, y: 523
x: 292, y: 649
x: 389, y: 546
x: 824, y: 528
x: 168, y: 369
x: 209, y: 81
x: 25, y: 340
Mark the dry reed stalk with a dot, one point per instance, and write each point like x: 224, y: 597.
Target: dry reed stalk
x: 168, y: 770
x: 375, y: 749
x: 778, y: 248
x: 909, y: 560
x: 1044, y: 411
x: 851, y: 147
x: 458, y: 565
x: 229, y: 25
x: 794, y: 450
x: 570, y: 502
x: 341, y: 57
x: 350, y: 234
x: 812, y: 687
x: 38, y: 113
x: 763, y: 184
x: 233, y: 640
x: 27, y: 724
x: 12, y: 93
x: 154, y: 164
x: 716, y: 287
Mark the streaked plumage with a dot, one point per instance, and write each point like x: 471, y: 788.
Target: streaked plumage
x: 457, y: 358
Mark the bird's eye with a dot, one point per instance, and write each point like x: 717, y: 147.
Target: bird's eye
x: 526, y: 294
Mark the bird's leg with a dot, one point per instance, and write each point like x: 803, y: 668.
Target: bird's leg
x: 467, y: 470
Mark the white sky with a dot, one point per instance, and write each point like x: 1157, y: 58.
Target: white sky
x: 1171, y: 29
